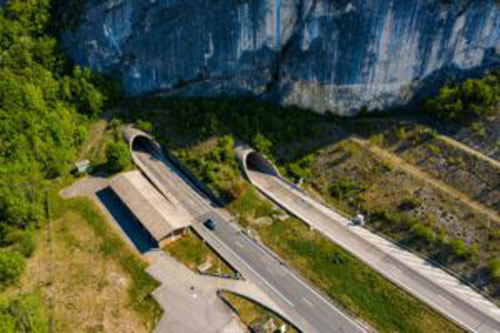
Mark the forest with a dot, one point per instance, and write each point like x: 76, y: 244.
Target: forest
x: 46, y: 104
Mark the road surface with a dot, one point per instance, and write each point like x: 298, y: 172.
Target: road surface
x: 435, y: 287
x: 297, y: 301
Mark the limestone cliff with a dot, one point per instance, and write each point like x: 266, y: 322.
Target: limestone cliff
x: 324, y: 54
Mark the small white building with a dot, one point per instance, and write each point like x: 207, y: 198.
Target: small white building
x: 82, y: 166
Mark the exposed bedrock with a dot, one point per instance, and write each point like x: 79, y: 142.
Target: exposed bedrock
x: 334, y: 55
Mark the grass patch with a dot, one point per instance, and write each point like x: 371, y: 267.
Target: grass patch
x: 192, y: 251
x: 113, y: 247
x: 256, y: 317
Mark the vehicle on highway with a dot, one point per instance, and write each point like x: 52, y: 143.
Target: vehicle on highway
x: 210, y: 224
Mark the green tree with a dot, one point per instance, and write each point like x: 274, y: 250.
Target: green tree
x: 262, y: 144
x: 12, y: 265
x: 117, y: 156
x: 474, y: 98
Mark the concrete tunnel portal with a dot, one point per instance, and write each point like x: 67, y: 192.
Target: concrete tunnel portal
x: 252, y: 160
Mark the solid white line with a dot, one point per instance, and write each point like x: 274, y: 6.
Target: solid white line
x: 326, y: 301
x: 199, y: 200
x: 253, y: 271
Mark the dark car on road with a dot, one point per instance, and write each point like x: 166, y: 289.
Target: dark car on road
x: 210, y: 224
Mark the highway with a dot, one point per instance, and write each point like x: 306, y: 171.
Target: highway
x: 307, y: 309
x: 432, y: 285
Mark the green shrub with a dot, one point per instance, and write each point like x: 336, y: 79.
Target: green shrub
x: 479, y: 129
x: 377, y: 139
x: 265, y: 208
x: 340, y: 258
x: 473, y: 251
x: 23, y: 313
x: 345, y: 188
x: 7, y: 323
x: 494, y: 268
x: 24, y: 241
x: 424, y: 232
x: 262, y: 144
x: 435, y: 150
x: 401, y: 134
x: 458, y: 247
x: 12, y: 265
x: 302, y: 168
x: 145, y: 126
x: 117, y: 156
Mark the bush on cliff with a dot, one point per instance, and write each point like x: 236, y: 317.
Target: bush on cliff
x: 472, y: 99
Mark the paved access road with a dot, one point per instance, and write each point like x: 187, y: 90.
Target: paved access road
x: 298, y: 302
x: 432, y: 285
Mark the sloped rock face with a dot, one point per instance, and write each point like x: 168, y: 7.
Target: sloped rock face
x: 333, y: 55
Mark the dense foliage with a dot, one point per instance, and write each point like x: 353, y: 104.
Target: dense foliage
x: 117, y: 156
x: 261, y: 124
x: 45, y: 105
x: 473, y: 98
x: 22, y: 313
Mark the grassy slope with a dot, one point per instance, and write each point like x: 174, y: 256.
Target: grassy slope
x: 98, y: 282
x: 252, y: 314
x: 114, y: 248
x: 349, y: 282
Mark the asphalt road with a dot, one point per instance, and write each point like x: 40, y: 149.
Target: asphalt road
x: 439, y: 290
x: 302, y: 305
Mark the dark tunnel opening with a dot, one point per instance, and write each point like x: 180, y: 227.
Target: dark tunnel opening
x: 256, y: 162
x: 142, y: 143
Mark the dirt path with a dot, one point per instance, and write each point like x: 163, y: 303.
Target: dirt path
x: 96, y: 133
x: 469, y: 150
x: 419, y: 174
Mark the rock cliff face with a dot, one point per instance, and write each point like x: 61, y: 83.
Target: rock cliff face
x: 332, y: 55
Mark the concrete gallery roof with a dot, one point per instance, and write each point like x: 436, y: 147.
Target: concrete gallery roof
x: 155, y: 212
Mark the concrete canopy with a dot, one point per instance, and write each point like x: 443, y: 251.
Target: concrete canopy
x: 159, y: 216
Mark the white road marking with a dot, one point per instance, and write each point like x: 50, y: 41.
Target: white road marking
x: 444, y: 299
x: 216, y: 239
x: 307, y: 301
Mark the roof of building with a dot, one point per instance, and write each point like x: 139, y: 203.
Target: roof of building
x: 82, y: 163
x: 154, y: 212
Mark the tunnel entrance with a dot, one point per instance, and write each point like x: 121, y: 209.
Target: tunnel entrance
x: 142, y: 143
x: 256, y: 162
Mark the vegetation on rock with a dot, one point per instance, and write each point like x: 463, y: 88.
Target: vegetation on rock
x: 462, y: 102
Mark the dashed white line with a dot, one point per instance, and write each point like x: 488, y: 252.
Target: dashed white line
x: 308, y: 302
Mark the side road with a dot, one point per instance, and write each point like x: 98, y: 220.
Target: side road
x: 182, y: 292
x: 431, y: 284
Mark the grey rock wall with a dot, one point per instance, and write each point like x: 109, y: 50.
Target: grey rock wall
x: 333, y: 55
